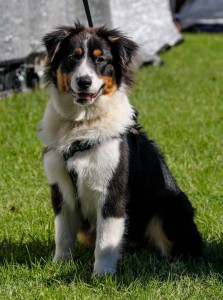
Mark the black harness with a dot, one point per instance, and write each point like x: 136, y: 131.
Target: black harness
x: 77, y: 146
x: 80, y: 146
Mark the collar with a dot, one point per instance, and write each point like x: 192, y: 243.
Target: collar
x: 78, y: 146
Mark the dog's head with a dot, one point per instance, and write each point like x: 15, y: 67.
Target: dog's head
x: 88, y: 62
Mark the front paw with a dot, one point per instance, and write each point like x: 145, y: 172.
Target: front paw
x: 62, y: 256
x: 104, y: 268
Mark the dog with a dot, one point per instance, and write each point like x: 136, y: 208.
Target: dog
x: 109, y: 182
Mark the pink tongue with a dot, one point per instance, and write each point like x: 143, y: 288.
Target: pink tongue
x: 84, y: 96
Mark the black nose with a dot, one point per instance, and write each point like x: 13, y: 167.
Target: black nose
x: 84, y: 82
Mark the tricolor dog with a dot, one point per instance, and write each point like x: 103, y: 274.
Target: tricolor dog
x: 110, y: 183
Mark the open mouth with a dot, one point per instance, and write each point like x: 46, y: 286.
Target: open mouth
x: 84, y: 98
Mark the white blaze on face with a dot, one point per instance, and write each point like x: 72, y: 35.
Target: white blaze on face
x: 85, y: 70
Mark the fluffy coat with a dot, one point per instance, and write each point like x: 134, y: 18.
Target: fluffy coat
x: 109, y: 181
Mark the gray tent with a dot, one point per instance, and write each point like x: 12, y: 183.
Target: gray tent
x: 23, y: 23
x: 201, y: 13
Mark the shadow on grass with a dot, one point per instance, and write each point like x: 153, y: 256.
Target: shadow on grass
x: 141, y: 265
x: 146, y: 266
x: 25, y: 252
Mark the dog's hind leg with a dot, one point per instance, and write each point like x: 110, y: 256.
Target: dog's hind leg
x: 156, y: 237
x: 179, y: 226
x: 64, y: 202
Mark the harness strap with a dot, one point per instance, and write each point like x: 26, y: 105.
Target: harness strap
x: 76, y: 147
x: 79, y: 146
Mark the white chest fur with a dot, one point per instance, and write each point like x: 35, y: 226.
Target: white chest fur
x: 94, y: 168
x: 108, y: 117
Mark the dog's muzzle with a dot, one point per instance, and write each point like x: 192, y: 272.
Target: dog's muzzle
x: 85, y: 98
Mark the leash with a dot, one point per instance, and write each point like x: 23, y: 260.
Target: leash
x: 88, y: 13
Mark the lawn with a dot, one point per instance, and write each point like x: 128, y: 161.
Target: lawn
x: 181, y: 107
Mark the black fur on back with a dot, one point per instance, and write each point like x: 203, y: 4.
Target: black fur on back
x: 151, y: 192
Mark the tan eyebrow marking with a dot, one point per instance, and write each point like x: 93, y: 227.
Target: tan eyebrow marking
x: 96, y: 52
x: 113, y: 38
x: 66, y: 32
x: 78, y: 51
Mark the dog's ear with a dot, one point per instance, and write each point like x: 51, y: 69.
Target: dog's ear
x: 126, y: 48
x: 123, y: 51
x: 53, y: 40
x: 121, y: 45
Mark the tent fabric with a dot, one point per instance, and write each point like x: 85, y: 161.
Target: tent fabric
x: 201, y: 12
x: 149, y: 23
x: 23, y: 23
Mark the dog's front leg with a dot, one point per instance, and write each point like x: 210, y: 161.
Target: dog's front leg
x: 64, y: 202
x: 110, y: 231
x: 66, y: 228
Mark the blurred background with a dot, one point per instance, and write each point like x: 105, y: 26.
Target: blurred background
x: 155, y: 25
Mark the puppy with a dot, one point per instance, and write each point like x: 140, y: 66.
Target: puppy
x: 109, y: 181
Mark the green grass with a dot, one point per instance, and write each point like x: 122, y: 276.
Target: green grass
x: 181, y: 107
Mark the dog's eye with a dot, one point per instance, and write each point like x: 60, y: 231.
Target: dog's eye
x: 73, y: 58
x: 100, y: 60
